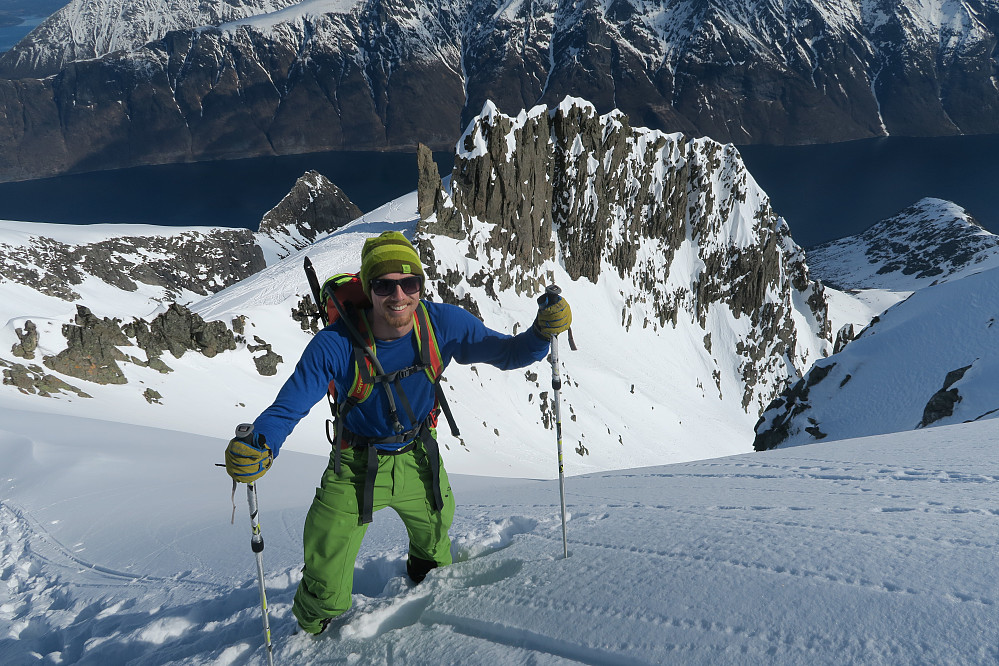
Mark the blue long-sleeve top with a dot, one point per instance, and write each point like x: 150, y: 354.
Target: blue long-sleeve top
x: 329, y: 357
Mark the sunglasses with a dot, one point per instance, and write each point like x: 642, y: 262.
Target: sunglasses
x: 385, y: 287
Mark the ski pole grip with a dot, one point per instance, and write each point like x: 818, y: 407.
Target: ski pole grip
x: 551, y: 295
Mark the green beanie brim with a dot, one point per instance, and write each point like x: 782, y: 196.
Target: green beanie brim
x: 389, y: 252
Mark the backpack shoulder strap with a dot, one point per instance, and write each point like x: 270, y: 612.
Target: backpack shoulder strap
x: 430, y: 357
x: 426, y: 341
x: 364, y: 359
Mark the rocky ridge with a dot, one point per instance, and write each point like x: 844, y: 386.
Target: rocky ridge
x: 929, y: 242
x: 388, y: 74
x: 93, y: 351
x: 678, y: 220
x: 198, y: 262
x: 315, y: 206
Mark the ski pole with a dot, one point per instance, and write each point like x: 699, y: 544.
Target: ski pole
x: 550, y: 296
x: 257, y: 545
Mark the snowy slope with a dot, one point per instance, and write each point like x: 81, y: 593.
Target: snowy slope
x: 116, y: 548
x: 896, y: 375
x: 931, y: 241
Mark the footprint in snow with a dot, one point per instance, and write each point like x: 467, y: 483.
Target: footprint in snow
x: 493, y: 537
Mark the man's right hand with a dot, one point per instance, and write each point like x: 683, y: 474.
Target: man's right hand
x: 247, y: 458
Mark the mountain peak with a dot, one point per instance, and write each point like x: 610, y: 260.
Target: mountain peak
x: 931, y: 241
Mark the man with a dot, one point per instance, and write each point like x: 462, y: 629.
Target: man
x: 388, y: 456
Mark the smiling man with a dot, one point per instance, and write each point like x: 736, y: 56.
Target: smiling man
x: 386, y: 457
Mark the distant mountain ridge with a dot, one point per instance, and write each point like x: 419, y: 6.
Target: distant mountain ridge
x: 277, y: 77
x: 931, y: 241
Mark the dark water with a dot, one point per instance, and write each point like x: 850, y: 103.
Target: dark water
x: 12, y: 34
x: 830, y: 191
x: 824, y: 192
x: 234, y: 193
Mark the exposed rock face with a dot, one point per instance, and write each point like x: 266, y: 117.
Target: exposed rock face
x: 941, y: 405
x: 386, y: 74
x: 192, y: 261
x: 179, y: 330
x: 313, y: 207
x: 787, y: 407
x: 27, y: 341
x: 93, y: 349
x: 679, y: 219
x: 33, y: 380
x: 268, y: 361
x: 93, y: 352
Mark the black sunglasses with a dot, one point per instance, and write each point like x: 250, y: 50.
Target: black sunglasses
x: 385, y: 287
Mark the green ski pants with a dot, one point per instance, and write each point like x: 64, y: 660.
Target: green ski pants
x: 333, y: 530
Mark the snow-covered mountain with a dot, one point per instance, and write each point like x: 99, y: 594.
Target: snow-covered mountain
x: 373, y: 74
x: 666, y: 246
x: 87, y: 29
x: 675, y: 232
x: 926, y: 360
x: 931, y: 241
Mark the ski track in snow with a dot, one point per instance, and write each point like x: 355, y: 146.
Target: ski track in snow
x: 862, y: 551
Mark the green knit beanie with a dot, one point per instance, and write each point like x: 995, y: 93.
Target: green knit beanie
x: 388, y: 253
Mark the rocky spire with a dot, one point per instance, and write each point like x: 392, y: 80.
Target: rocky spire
x: 679, y: 218
x: 314, y: 207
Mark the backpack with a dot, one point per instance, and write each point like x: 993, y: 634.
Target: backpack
x: 342, y: 297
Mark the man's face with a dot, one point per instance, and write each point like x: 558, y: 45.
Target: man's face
x: 397, y: 308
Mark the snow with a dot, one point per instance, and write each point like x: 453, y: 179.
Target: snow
x: 116, y: 547
x: 296, y: 12
x: 882, y: 381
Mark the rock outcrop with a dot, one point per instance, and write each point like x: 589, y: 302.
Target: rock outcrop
x: 196, y: 262
x: 678, y: 218
x: 941, y: 404
x: 314, y: 207
x: 94, y: 345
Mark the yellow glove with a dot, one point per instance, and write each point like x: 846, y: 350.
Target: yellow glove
x: 554, y: 317
x: 247, y: 457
